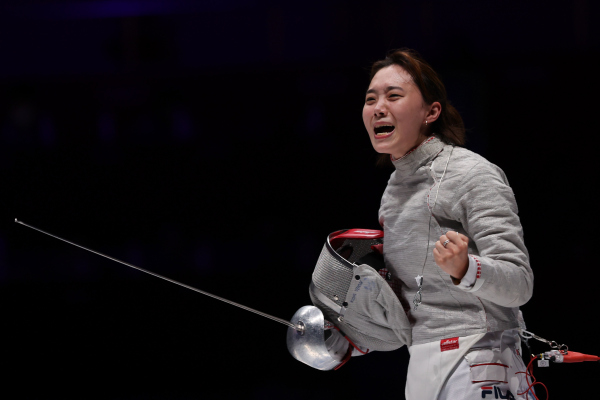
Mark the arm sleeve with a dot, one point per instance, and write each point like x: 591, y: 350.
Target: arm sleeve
x: 485, y: 205
x: 470, y: 277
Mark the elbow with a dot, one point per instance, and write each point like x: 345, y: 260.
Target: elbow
x: 524, y: 293
x: 521, y: 299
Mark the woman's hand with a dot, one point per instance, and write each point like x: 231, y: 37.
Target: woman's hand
x: 453, y: 257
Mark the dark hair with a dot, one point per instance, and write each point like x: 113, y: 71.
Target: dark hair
x: 449, y: 126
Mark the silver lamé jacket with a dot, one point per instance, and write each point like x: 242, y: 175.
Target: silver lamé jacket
x: 474, y: 198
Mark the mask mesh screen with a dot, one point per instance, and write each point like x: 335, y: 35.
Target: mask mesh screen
x: 332, y: 276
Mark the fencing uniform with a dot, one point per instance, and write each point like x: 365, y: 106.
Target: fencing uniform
x: 474, y: 199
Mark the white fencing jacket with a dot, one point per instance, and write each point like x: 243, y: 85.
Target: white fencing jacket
x: 474, y: 198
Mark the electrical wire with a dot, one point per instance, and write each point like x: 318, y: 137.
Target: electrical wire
x: 349, y: 351
x: 529, y: 373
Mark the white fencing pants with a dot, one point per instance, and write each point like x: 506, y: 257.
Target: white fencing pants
x: 482, y: 366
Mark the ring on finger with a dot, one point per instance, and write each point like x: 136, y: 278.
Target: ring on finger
x: 446, y: 243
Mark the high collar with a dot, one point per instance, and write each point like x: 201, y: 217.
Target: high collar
x: 420, y: 155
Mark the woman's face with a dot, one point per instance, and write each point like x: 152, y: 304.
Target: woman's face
x: 395, y: 112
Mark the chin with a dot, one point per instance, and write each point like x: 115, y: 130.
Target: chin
x: 382, y: 149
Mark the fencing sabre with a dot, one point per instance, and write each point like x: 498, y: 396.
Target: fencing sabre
x: 309, y: 334
x: 298, y: 326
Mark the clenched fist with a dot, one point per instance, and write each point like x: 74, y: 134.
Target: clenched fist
x: 451, y: 254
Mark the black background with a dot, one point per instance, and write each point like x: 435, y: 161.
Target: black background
x: 218, y: 143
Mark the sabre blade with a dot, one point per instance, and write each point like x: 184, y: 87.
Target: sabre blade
x: 233, y: 303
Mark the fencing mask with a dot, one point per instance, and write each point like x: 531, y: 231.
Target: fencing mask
x: 351, y: 288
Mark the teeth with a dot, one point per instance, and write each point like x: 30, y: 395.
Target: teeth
x: 385, y: 128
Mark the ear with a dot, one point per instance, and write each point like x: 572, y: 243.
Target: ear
x: 435, y: 110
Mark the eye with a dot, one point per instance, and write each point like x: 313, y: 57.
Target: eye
x: 370, y: 100
x: 395, y: 96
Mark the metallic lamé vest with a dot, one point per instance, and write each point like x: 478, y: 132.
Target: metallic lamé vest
x: 474, y: 199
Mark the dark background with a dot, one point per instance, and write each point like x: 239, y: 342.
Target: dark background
x: 219, y: 142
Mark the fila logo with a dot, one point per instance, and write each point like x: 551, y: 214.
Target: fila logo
x: 497, y: 392
x: 449, y: 344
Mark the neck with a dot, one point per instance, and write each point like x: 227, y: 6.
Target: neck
x: 420, y: 140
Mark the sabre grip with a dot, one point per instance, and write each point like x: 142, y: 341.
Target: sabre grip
x: 340, y: 346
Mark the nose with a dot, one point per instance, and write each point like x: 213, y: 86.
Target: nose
x: 380, y: 109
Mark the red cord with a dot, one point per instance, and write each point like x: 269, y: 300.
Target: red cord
x: 529, y: 373
x: 349, y: 351
x: 345, y: 359
x: 351, y: 342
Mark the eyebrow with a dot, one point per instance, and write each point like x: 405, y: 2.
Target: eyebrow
x: 387, y: 89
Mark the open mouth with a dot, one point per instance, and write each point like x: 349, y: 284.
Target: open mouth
x: 384, y: 130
